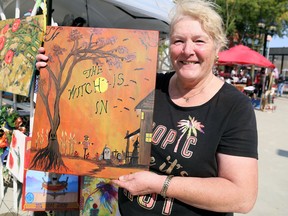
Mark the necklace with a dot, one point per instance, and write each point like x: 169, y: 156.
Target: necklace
x: 187, y: 99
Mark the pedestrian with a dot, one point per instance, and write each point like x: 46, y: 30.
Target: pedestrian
x: 259, y: 82
x: 280, y: 85
x: 276, y: 74
x: 204, y: 144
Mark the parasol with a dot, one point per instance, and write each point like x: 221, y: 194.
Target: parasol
x: 243, y: 55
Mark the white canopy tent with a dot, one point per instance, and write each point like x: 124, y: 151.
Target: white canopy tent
x: 132, y: 14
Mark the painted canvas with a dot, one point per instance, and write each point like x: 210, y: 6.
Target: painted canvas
x: 19, y: 43
x: 95, y: 102
x: 44, y: 191
x: 98, y: 196
x: 27, y: 152
x: 16, y: 156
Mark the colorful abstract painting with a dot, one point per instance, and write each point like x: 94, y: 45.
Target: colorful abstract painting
x: 19, y: 43
x: 94, y: 108
x: 44, y: 191
x: 16, y: 156
x: 98, y: 196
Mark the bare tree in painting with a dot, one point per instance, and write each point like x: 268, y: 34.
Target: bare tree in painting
x: 97, y: 50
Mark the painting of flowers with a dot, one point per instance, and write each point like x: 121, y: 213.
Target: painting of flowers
x: 19, y: 43
x: 15, y: 160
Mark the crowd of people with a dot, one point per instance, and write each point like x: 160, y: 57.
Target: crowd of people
x: 264, y: 80
x: 236, y: 75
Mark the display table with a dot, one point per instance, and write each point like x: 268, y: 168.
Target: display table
x: 240, y: 87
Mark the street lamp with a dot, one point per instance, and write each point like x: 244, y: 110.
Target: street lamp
x: 268, y: 33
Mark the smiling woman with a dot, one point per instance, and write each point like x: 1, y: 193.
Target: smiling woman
x: 200, y: 145
x: 199, y: 125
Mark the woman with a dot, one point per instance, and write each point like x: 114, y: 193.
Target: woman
x: 205, y: 130
x: 204, y: 151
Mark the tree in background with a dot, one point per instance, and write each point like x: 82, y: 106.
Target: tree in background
x: 241, y: 18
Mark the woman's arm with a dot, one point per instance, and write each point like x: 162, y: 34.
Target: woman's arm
x: 234, y: 190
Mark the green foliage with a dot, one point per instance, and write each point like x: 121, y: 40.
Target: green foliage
x: 8, y: 117
x: 241, y: 17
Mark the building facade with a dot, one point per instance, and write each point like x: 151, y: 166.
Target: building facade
x: 279, y: 56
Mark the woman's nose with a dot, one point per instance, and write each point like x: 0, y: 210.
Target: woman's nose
x: 188, y: 48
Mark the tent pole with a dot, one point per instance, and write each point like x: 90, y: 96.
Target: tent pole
x: 49, y: 12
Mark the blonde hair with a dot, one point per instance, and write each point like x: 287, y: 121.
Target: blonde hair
x: 204, y: 12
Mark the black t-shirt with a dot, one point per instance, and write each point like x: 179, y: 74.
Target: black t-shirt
x: 186, y: 140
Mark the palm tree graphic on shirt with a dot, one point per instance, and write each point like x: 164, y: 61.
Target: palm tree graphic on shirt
x: 190, y: 127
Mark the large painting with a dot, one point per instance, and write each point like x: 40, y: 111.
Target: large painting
x: 20, y: 40
x: 95, y: 102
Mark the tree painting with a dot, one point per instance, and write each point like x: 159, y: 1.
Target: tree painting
x: 93, y: 80
x: 19, y: 43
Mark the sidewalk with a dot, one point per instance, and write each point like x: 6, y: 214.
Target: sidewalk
x: 7, y: 207
x: 273, y: 161
x: 273, y: 165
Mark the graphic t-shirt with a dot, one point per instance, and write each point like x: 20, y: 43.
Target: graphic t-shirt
x: 186, y: 140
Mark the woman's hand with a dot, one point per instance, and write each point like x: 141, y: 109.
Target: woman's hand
x: 41, y: 58
x: 141, y: 183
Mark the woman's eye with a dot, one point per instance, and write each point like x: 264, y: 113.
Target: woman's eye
x: 178, y: 42
x: 199, y: 41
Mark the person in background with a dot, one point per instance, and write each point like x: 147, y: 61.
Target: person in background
x: 234, y: 71
x: 259, y: 80
x: 276, y: 75
x: 204, y: 155
x: 280, y: 85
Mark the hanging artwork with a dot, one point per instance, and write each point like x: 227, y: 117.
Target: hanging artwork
x: 44, y: 191
x: 20, y: 40
x: 98, y: 196
x: 95, y: 102
x: 15, y: 159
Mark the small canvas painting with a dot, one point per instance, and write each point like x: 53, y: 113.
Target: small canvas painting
x: 98, y: 196
x: 20, y: 40
x: 44, y: 191
x: 16, y: 156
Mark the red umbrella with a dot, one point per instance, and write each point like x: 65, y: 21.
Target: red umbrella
x: 243, y: 55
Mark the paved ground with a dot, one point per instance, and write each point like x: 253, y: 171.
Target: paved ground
x: 273, y: 165
x: 273, y: 161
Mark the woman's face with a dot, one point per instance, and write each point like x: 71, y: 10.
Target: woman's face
x: 192, y: 51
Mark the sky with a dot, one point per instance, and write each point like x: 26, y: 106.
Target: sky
x: 279, y: 42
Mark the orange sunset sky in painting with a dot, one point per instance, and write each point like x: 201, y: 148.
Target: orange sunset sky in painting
x: 106, y: 112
